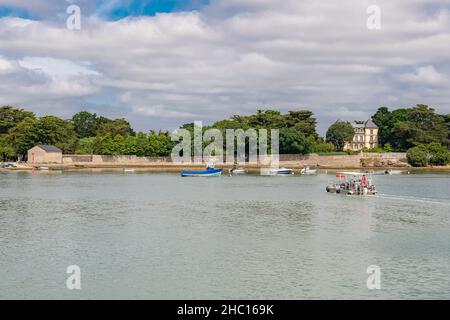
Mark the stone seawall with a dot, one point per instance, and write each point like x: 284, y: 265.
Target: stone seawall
x: 101, y: 159
x: 314, y: 160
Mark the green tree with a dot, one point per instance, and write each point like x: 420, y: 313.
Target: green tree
x: 115, y: 127
x: 10, y: 117
x: 58, y: 132
x: 387, y: 147
x: 418, y: 156
x: 447, y: 123
x: 267, y: 119
x: 406, y: 128
x: 24, y: 136
x: 7, y: 151
x: 383, y: 119
x: 302, y: 121
x: 339, y: 133
x: 86, y: 124
x: 293, y: 142
x: 439, y: 155
x: 433, y: 153
x: 87, y: 146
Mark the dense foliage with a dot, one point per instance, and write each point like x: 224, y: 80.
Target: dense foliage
x: 85, y: 133
x: 88, y: 133
x: 431, y: 154
x: 297, y: 129
x: 409, y: 127
x: 339, y: 133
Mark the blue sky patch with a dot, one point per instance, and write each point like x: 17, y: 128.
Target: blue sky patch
x: 14, y: 12
x: 132, y: 8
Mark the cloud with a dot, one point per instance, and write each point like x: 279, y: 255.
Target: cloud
x: 6, y: 66
x: 425, y: 76
x: 229, y: 57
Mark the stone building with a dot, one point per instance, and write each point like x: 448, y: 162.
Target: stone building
x: 366, y: 136
x: 45, y: 154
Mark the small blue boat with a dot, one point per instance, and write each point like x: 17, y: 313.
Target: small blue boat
x: 209, y: 172
x: 281, y: 171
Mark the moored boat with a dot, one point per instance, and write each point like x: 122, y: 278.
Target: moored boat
x: 208, y: 172
x: 307, y: 171
x: 391, y: 172
x: 7, y: 165
x: 281, y: 171
x: 234, y: 171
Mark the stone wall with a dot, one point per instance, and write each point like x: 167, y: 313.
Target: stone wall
x: 101, y: 159
x: 315, y: 160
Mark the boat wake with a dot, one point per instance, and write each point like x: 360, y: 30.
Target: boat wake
x: 414, y: 199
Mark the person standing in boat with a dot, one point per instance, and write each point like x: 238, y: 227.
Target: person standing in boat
x: 364, y: 181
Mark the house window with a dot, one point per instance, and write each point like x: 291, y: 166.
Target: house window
x: 371, y: 131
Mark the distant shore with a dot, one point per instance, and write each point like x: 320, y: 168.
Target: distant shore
x: 172, y: 167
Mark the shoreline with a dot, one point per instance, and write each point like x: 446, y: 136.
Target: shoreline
x: 170, y: 167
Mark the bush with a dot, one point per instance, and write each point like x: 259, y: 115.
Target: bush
x: 387, y: 147
x: 323, y: 148
x: 439, y: 155
x: 423, y: 155
x: 417, y: 156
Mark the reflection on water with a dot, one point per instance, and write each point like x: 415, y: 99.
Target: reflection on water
x: 157, y: 235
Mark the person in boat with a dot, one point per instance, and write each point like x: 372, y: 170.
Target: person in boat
x: 364, y: 181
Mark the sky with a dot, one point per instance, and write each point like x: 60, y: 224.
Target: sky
x: 163, y: 63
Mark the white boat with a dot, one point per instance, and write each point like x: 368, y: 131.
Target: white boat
x: 129, y: 170
x: 307, y: 170
x: 353, y: 183
x: 386, y: 172
x: 391, y: 172
x: 281, y: 171
x: 237, y: 171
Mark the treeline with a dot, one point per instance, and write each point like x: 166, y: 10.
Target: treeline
x: 88, y: 133
x: 419, y: 130
x: 85, y: 133
x: 403, y: 129
x: 297, y: 129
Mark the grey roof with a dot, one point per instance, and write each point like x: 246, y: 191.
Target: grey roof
x: 49, y: 148
x: 367, y: 124
x: 357, y: 125
x: 370, y: 124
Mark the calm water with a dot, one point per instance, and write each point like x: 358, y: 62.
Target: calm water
x: 157, y: 235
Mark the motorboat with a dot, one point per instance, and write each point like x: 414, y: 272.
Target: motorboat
x: 281, y: 171
x: 234, y: 171
x: 7, y: 165
x: 307, y: 170
x: 391, y: 172
x: 353, y: 183
x: 386, y: 172
x: 208, y: 172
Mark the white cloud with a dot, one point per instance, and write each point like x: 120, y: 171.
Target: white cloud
x: 231, y: 57
x: 6, y: 66
x: 425, y: 76
x: 55, y: 67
